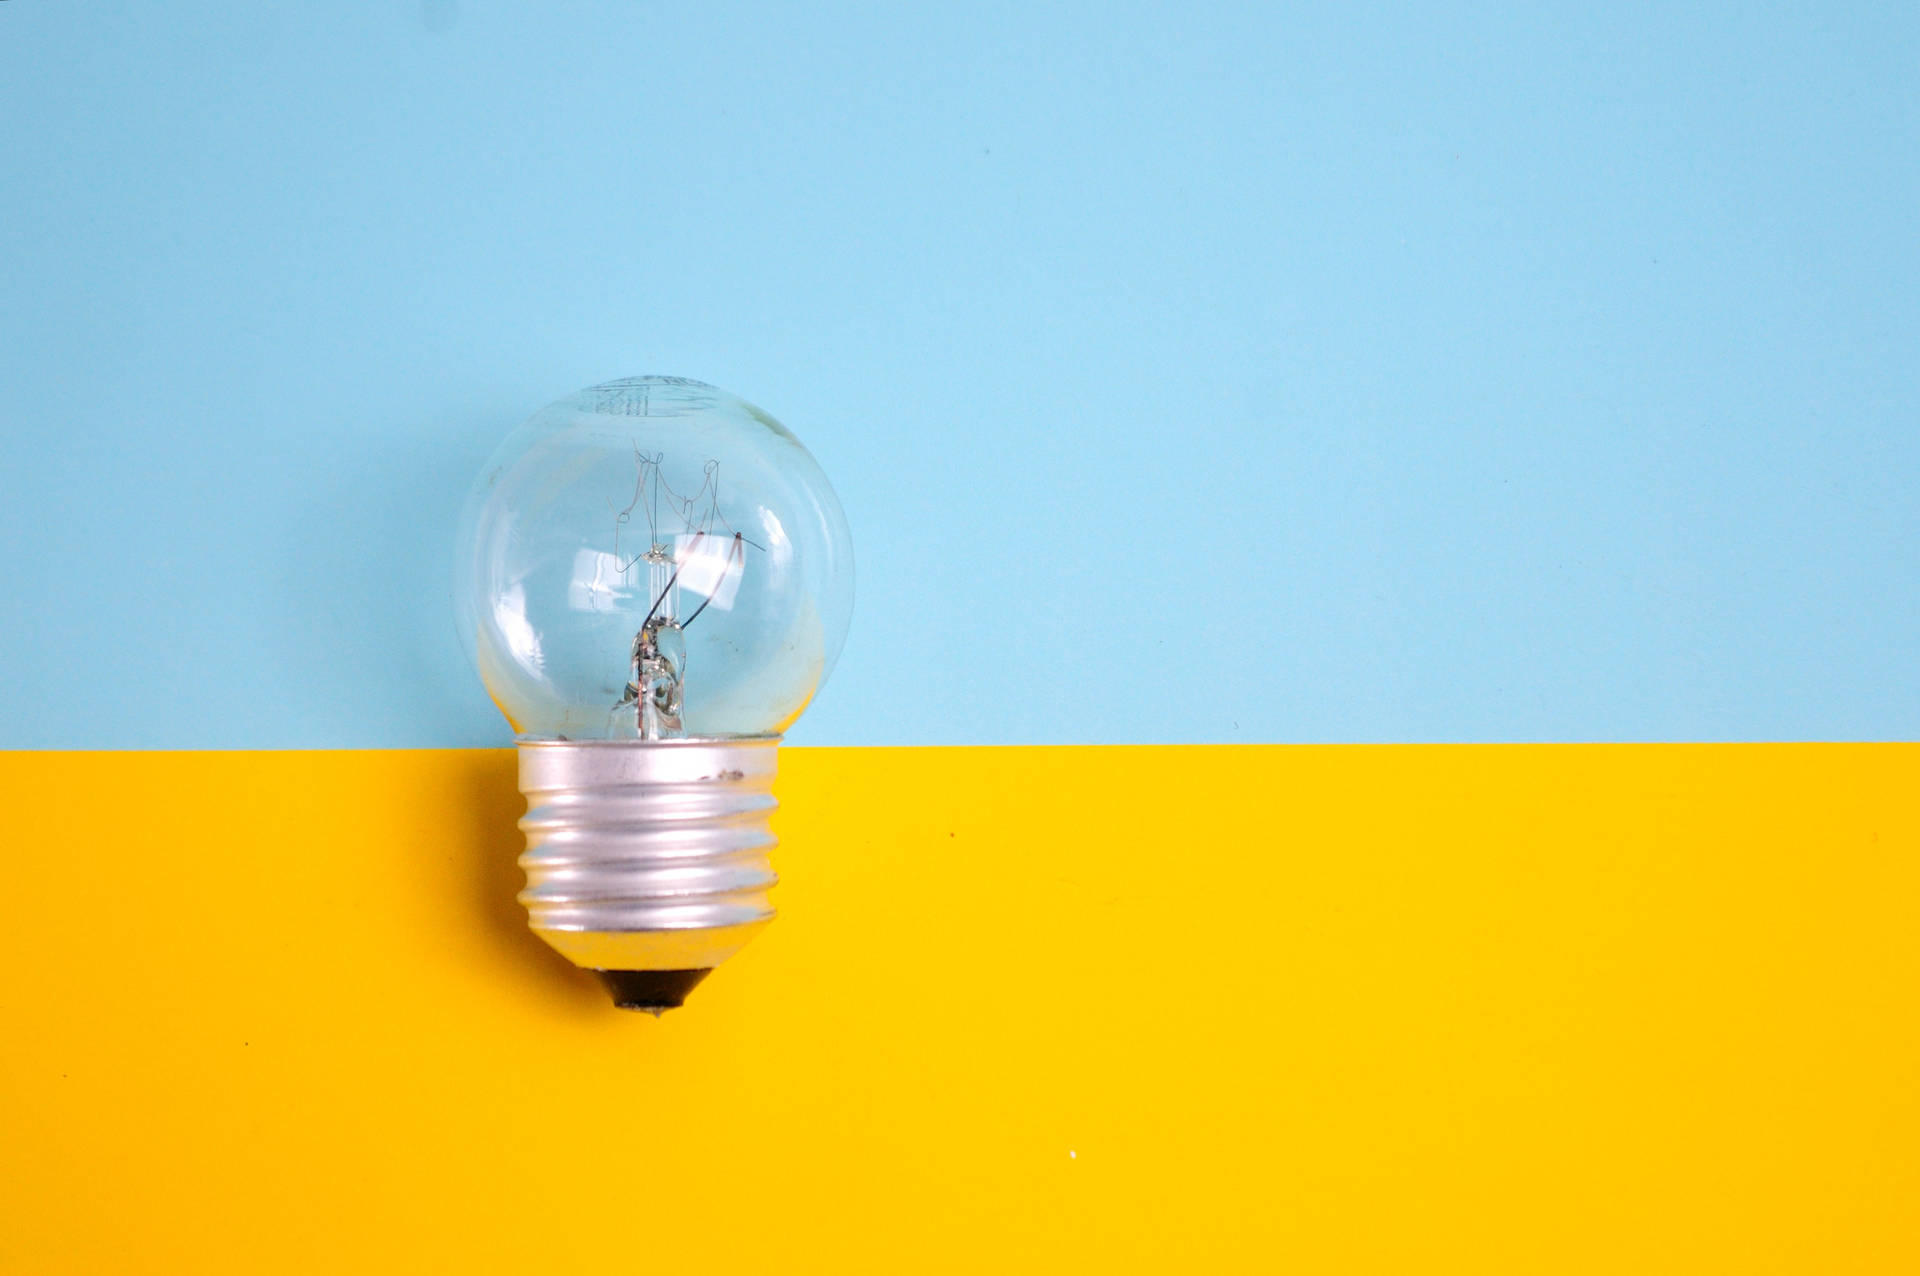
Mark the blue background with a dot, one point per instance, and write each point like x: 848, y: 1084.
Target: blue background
x: 1189, y: 372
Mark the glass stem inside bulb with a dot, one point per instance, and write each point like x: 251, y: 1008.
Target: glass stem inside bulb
x: 659, y: 665
x: 659, y: 653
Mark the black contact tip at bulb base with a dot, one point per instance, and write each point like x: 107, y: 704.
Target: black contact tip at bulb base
x: 651, y: 990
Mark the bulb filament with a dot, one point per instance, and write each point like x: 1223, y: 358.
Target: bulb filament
x: 657, y: 663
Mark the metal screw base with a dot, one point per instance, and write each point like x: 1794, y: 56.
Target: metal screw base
x: 648, y: 857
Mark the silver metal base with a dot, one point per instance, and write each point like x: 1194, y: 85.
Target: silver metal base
x: 648, y: 855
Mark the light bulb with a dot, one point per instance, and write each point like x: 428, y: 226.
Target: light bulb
x: 654, y: 580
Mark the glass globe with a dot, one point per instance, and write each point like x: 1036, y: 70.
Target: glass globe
x: 653, y: 559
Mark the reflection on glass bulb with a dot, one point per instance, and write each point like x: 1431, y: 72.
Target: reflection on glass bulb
x: 655, y: 579
x: 654, y: 559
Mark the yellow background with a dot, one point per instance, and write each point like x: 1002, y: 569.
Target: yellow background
x: 1344, y: 1009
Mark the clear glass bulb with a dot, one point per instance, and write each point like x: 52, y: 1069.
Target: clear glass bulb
x: 653, y: 559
